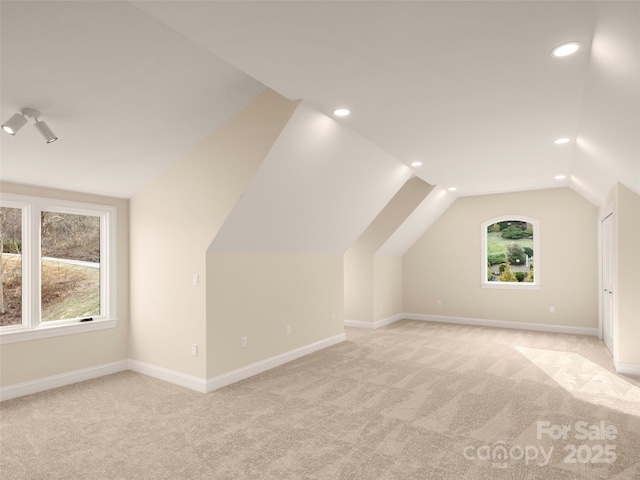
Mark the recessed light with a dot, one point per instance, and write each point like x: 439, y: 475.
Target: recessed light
x: 560, y: 177
x: 566, y: 49
x: 416, y: 164
x: 452, y: 189
x: 341, y: 112
x: 560, y: 141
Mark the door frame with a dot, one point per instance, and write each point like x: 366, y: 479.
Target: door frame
x: 606, y: 212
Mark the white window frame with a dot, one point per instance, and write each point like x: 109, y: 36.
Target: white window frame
x: 31, y: 327
x: 484, y: 283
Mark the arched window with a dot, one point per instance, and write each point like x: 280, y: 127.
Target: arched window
x: 510, y: 252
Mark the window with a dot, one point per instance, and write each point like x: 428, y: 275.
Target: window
x: 57, y: 263
x: 510, y: 252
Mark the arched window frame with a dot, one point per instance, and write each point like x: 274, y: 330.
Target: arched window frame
x: 484, y: 282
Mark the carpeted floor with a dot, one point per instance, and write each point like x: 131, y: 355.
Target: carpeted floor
x: 414, y: 400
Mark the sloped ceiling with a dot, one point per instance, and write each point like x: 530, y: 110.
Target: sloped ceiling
x: 468, y: 88
x: 126, y: 95
x: 319, y: 187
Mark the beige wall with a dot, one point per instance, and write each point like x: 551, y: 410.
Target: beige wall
x: 445, y: 263
x: 628, y: 273
x: 26, y: 361
x: 359, y: 273
x: 258, y: 294
x: 387, y: 286
x: 174, y: 220
x: 626, y: 209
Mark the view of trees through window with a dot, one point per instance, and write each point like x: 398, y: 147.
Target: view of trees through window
x: 510, y: 252
x: 10, y: 266
x: 70, y: 266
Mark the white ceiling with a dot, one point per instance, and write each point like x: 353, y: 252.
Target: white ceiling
x: 468, y: 88
x: 125, y: 94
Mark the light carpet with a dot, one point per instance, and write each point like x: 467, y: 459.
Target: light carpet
x: 413, y: 400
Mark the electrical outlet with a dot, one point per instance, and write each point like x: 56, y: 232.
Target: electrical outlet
x: 333, y: 318
x: 288, y: 330
x: 552, y: 309
x: 243, y: 342
x: 196, y: 279
x: 194, y: 349
x: 439, y: 302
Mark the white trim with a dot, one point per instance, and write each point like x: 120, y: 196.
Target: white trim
x: 607, y: 212
x: 627, y: 369
x: 234, y: 376
x: 32, y: 327
x: 539, y: 327
x: 374, y: 325
x: 358, y: 324
x: 44, y: 331
x: 171, y: 376
x: 56, y: 381
x: 511, y: 285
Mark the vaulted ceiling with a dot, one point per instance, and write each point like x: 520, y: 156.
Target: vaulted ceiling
x: 469, y: 89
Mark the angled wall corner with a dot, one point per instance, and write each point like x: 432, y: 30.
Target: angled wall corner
x: 173, y: 221
x: 319, y: 188
x: 373, y: 285
x: 278, y: 260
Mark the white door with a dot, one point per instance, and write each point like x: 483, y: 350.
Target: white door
x: 607, y: 281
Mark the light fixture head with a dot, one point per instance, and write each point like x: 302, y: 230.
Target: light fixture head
x: 560, y: 177
x: 46, y: 132
x: 19, y: 120
x: 341, y: 112
x: 416, y: 164
x: 452, y: 189
x: 562, y: 141
x: 566, y: 49
x: 15, y: 123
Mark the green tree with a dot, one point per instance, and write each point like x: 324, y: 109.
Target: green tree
x: 490, y: 275
x: 515, y: 254
x: 507, y: 275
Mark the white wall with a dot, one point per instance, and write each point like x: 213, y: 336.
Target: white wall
x: 445, y: 263
x: 27, y: 361
x: 174, y: 220
x: 626, y: 210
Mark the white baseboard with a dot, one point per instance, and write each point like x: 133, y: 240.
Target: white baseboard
x: 234, y: 376
x: 358, y: 324
x: 55, y: 381
x: 539, y: 327
x: 374, y: 325
x: 171, y: 376
x: 627, y: 369
x: 200, y: 385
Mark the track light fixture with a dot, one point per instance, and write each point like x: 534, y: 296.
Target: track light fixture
x: 15, y: 123
x: 19, y: 120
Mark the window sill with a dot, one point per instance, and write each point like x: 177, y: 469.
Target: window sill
x: 511, y: 285
x: 25, y: 335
